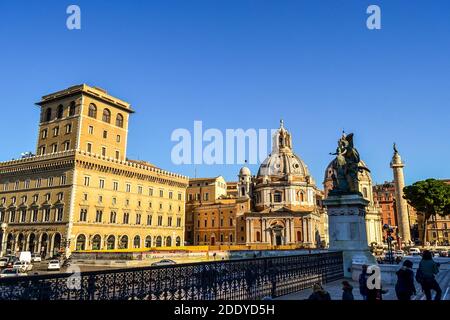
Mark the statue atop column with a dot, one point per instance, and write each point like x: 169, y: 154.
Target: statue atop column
x: 345, y: 167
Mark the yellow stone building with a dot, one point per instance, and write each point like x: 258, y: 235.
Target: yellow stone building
x: 80, y: 191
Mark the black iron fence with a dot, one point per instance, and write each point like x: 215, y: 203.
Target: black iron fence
x: 248, y: 279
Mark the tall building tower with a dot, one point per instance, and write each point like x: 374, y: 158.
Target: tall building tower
x: 402, y: 207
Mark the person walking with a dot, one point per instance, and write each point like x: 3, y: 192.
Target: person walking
x: 319, y: 293
x: 363, y: 289
x: 404, y: 288
x: 347, y: 291
x: 426, y: 275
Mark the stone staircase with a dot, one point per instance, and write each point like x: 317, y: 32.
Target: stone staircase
x: 443, y: 278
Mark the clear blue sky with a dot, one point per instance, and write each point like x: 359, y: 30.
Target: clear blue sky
x: 242, y: 64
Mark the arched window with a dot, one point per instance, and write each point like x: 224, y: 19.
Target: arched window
x: 60, y: 111
x: 137, y: 242
x: 92, y: 111
x: 168, y: 242
x: 231, y: 237
x: 119, y: 120
x: 81, y: 242
x: 72, y: 109
x: 96, y: 242
x: 158, y: 241
x: 178, y: 242
x: 365, y: 192
x: 124, y: 242
x: 106, y: 116
x: 48, y: 114
x: 148, y: 241
x: 110, y: 243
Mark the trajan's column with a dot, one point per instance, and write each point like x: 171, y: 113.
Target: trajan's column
x: 402, y: 208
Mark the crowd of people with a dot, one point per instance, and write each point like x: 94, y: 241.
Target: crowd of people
x: 405, y: 287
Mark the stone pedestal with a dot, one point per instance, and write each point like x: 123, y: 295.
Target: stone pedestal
x: 347, y: 229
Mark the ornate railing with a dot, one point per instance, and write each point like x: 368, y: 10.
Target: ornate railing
x: 248, y: 279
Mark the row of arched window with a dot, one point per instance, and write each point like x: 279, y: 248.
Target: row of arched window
x: 106, y: 115
x: 111, y: 242
x: 92, y: 112
x: 48, y: 116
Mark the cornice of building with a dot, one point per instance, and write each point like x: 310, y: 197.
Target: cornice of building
x: 91, y: 159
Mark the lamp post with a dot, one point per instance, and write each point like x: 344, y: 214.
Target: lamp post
x: 389, y: 230
x: 2, y: 243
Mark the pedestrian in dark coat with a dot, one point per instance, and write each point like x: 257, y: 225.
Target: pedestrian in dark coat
x: 363, y: 289
x: 404, y: 288
x: 426, y: 275
x: 347, y: 291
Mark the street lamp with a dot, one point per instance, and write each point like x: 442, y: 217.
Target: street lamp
x: 389, y: 230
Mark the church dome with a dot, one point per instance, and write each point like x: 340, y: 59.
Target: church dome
x: 282, y: 160
x: 245, y: 172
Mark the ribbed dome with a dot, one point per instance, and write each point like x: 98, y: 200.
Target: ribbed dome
x: 283, y: 164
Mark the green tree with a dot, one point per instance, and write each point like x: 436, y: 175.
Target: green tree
x: 429, y: 197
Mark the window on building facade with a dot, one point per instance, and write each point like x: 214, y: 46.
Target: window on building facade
x: 114, y: 201
x: 119, y: 120
x: 126, y: 218
x: 66, y: 145
x: 277, y: 197
x: 68, y: 128
x: 92, y: 111
x: 87, y: 181
x: 89, y: 147
x: 42, y: 150
x: 60, y: 196
x: 128, y: 187
x: 180, y: 196
x: 91, y: 130
x: 60, y: 111
x: 98, y: 216
x: 178, y: 222
x: 160, y: 220
x: 34, y: 215
x: 23, y: 215
x: 55, y: 131
x: 62, y: 180
x: 138, y: 218
x: 44, y: 134
x: 113, y: 216
x: 59, y: 214
x: 54, y: 148
x: 48, y: 114
x: 169, y: 221
x: 72, y: 109
x: 149, y: 220
x: 139, y: 189
x: 115, y: 185
x: 50, y: 182
x: 117, y: 155
x: 161, y: 193
x: 106, y: 117
x: 105, y: 134
x: 46, y: 214
x: 83, y: 215
x: 118, y: 138
x: 101, y: 184
x: 12, y: 216
x: 104, y: 151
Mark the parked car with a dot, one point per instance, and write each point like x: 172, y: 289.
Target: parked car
x: 3, y: 262
x: 23, y: 266
x: 414, y: 251
x: 164, y: 262
x: 399, y: 254
x: 54, y: 265
x: 36, y: 257
x: 11, y: 272
x: 11, y: 261
x: 443, y: 253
